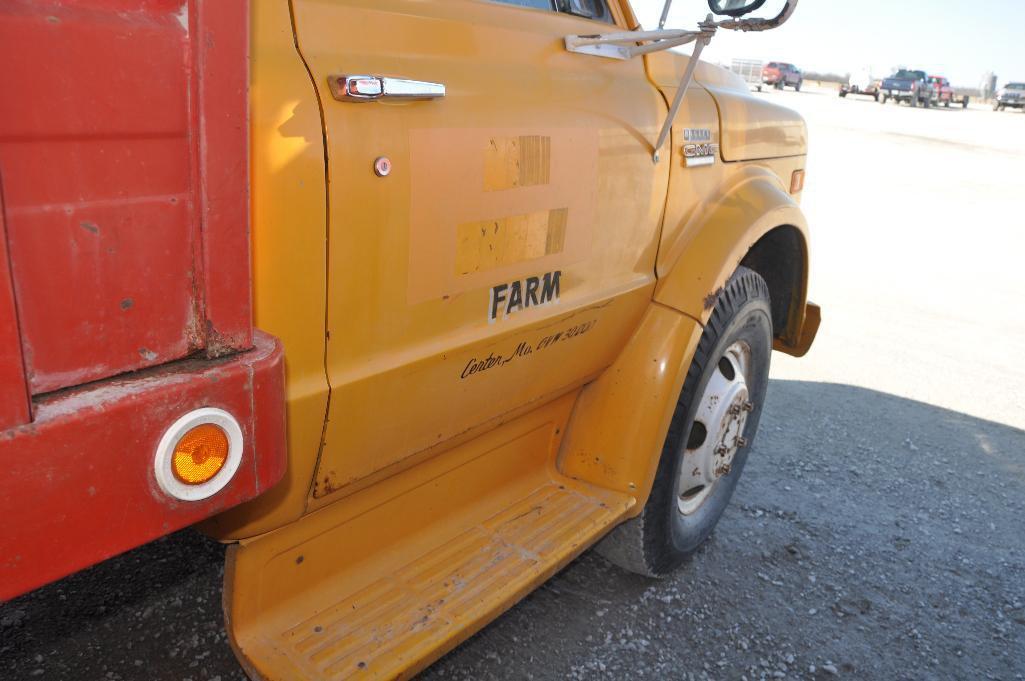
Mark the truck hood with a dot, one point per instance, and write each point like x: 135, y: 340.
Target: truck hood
x: 750, y: 128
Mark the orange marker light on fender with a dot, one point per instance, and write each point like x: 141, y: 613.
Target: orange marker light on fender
x: 198, y: 454
x: 797, y: 181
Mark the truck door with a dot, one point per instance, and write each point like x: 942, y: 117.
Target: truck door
x: 488, y: 249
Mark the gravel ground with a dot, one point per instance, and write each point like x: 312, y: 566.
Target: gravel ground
x: 877, y: 532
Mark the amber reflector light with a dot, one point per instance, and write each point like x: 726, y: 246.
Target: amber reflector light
x: 797, y: 181
x: 199, y: 454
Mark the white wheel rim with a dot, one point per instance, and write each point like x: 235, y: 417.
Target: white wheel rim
x: 718, y: 429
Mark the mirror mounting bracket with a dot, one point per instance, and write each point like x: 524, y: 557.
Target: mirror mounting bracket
x: 629, y: 44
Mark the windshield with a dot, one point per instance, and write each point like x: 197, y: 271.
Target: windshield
x: 1016, y: 86
x: 904, y: 73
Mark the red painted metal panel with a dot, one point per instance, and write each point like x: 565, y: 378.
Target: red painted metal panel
x: 14, y: 402
x: 123, y: 142
x: 223, y: 95
x: 78, y: 483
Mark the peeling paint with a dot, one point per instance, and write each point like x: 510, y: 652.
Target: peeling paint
x: 712, y: 298
x: 182, y: 15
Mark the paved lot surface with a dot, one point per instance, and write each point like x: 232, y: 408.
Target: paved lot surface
x: 878, y: 531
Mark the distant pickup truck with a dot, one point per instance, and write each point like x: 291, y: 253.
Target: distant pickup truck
x: 911, y: 87
x: 945, y: 94
x: 781, y: 74
x: 1011, y: 95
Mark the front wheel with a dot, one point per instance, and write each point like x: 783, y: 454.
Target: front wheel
x: 913, y: 101
x: 797, y: 86
x: 709, y: 437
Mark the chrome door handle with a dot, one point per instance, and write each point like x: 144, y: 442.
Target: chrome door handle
x: 373, y: 88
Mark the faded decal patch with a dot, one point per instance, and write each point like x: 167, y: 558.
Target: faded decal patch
x: 487, y: 244
x: 521, y: 161
x: 519, y: 295
x: 541, y: 227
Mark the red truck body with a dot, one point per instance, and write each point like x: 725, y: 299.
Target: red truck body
x: 124, y: 272
x: 945, y: 94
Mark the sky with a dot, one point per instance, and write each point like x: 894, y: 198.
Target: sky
x: 960, y: 39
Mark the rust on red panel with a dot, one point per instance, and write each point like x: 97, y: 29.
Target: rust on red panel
x: 14, y: 402
x: 123, y: 146
x: 84, y: 467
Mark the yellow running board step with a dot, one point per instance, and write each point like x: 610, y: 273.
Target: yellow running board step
x: 383, y: 582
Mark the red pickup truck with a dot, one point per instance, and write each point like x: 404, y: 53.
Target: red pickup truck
x: 781, y: 74
x: 945, y: 94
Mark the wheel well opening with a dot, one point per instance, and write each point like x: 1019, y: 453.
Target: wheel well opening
x: 779, y: 257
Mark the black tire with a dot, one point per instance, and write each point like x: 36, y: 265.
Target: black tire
x: 996, y: 107
x: 797, y: 86
x: 964, y: 103
x: 946, y: 104
x: 913, y: 101
x: 661, y: 538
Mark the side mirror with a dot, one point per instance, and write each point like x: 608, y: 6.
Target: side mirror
x: 734, y: 8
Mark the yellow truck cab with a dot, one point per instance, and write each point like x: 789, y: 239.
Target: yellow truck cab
x: 527, y: 268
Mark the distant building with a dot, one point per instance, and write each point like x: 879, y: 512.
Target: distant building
x: 989, y: 85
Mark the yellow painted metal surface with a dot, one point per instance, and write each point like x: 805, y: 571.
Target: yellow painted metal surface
x: 386, y: 580
x: 407, y: 321
x: 751, y: 201
x: 714, y: 214
x: 621, y: 419
x: 754, y: 129
x: 289, y: 223
x: 505, y: 319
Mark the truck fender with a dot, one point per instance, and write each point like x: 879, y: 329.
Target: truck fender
x: 753, y: 221
x: 620, y: 419
x: 616, y: 432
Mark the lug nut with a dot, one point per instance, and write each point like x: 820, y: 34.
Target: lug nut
x: 721, y: 450
x: 748, y: 406
x: 742, y: 442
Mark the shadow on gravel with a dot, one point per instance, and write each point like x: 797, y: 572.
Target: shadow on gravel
x: 871, y: 537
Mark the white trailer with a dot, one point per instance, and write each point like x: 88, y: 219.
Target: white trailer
x: 750, y: 70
